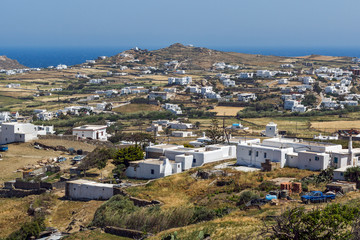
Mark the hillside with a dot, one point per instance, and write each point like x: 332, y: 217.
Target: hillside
x: 196, y: 57
x: 7, y: 63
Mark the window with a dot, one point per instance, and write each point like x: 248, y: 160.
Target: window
x: 335, y: 160
x: 152, y: 171
x: 341, y: 174
x: 178, y: 166
x: 250, y: 153
x: 257, y: 153
x: 265, y: 155
x: 317, y: 158
x: 309, y: 159
x: 194, y: 160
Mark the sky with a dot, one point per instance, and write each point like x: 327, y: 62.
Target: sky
x: 154, y: 23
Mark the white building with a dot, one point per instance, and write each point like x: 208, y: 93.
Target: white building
x: 96, y: 132
x: 61, y: 67
x: 254, y: 154
x: 179, y: 125
x: 299, y: 108
x: 13, y: 85
x: 180, y: 81
x: 88, y: 190
x: 21, y: 132
x: 307, y: 80
x: 283, y: 81
x: 97, y: 81
x: 174, y: 108
x: 328, y: 103
x: 153, y: 168
x: 229, y: 83
x: 245, y: 75
x: 182, y: 134
x: 45, y: 116
x: 247, y: 97
x: 349, y: 103
x: 271, y: 130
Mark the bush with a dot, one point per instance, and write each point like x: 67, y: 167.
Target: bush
x: 335, y: 221
x: 267, y: 186
x: 28, y: 230
x: 247, y: 196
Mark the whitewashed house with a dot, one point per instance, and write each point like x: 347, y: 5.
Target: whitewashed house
x: 45, y: 116
x: 21, y: 132
x: 174, y: 108
x: 182, y: 134
x: 97, y: 81
x: 179, y: 125
x: 96, y: 132
x: 180, y: 81
x: 299, y: 108
x: 152, y: 168
x: 229, y: 83
x: 245, y: 75
x: 289, y: 104
x: 247, y: 97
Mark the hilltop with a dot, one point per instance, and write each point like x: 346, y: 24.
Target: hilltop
x: 7, y: 63
x: 190, y: 57
x: 200, y: 58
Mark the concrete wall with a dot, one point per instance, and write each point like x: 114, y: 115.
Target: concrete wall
x: 88, y: 191
x: 185, y: 160
x: 259, y: 154
x: 338, y: 176
x: 292, y: 161
x: 143, y: 170
x: 307, y: 160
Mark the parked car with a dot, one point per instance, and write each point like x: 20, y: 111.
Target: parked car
x: 77, y: 159
x: 61, y: 159
x: 4, y: 148
x: 317, y: 196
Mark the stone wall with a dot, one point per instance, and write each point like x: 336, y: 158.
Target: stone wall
x: 129, y: 233
x: 20, y: 193
x: 137, y: 201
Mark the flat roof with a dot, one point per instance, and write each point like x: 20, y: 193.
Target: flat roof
x: 164, y: 146
x: 153, y: 161
x: 87, y: 182
x: 90, y: 127
x: 293, y: 140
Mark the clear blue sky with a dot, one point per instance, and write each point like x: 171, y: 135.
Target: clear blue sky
x: 156, y: 23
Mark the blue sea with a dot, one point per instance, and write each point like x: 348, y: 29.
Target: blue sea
x: 44, y: 57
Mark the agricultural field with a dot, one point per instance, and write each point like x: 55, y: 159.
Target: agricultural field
x: 136, y: 108
x: 226, y: 111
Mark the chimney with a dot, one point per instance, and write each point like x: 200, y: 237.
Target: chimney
x: 350, y: 150
x: 203, y: 134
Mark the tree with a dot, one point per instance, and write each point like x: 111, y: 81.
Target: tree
x: 97, y: 158
x: 335, y: 221
x: 352, y: 174
x: 215, y: 133
x: 317, y: 88
x: 197, y: 125
x: 309, y: 100
x: 126, y: 155
x: 108, y: 107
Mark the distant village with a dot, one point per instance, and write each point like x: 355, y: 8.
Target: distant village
x: 176, y: 115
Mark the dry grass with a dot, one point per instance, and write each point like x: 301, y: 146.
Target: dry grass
x: 20, y: 155
x: 64, y: 212
x: 95, y: 235
x: 333, y: 126
x: 68, y: 144
x: 135, y: 108
x: 13, y: 213
x: 227, y: 111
